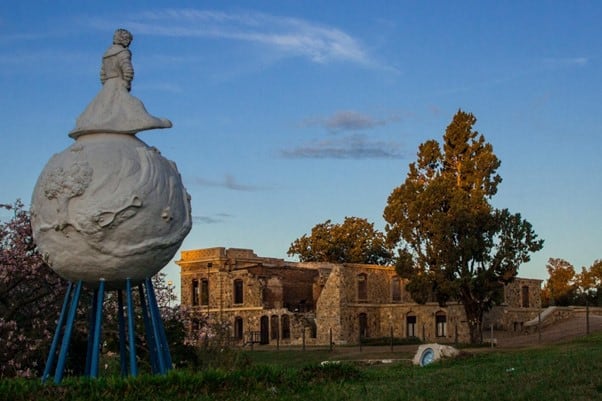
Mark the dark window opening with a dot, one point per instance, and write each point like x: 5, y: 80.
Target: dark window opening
x: 363, y: 320
x: 195, y: 292
x: 286, y: 326
x: 440, y: 324
x: 396, y: 289
x: 238, y: 293
x: 411, y: 326
x: 362, y: 287
x: 204, y: 292
x: 238, y: 328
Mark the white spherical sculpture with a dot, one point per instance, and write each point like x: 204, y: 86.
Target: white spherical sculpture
x: 109, y: 207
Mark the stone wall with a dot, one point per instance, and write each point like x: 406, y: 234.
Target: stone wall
x: 514, y: 293
x: 317, y: 299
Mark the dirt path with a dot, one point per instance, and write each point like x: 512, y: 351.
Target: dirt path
x: 558, y: 332
x: 561, y: 331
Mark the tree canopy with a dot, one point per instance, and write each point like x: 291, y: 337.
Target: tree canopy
x: 561, y: 286
x: 354, y: 241
x: 452, y: 243
x: 565, y: 286
x: 30, y: 297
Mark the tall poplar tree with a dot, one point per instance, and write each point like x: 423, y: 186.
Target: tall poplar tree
x: 452, y: 243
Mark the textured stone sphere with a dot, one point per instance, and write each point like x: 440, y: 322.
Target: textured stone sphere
x: 109, y: 207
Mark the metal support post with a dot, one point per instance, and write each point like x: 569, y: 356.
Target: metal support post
x: 131, y: 334
x: 95, y: 362
x: 121, y: 326
x: 150, y: 339
x: 60, y: 366
x: 57, y: 333
x: 158, y: 329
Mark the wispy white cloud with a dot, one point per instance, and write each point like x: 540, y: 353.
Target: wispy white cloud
x: 213, y: 219
x: 292, y: 36
x: 228, y: 182
x: 348, y: 147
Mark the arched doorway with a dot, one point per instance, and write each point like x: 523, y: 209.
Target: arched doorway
x: 264, y: 328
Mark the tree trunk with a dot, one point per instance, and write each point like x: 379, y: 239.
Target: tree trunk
x: 474, y: 316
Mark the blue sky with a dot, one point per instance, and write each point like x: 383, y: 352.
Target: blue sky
x: 289, y: 113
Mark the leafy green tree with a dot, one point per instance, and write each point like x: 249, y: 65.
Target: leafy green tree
x: 561, y: 287
x: 589, y: 282
x: 354, y: 241
x: 452, y: 243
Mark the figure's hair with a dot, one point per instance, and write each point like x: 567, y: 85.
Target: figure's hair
x: 122, y: 37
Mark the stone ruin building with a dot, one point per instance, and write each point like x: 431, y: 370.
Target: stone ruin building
x: 272, y: 301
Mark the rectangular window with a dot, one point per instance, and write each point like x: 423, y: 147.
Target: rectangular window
x: 411, y: 326
x: 204, y: 292
x: 441, y: 325
x: 195, y: 292
x: 238, y: 293
x: 396, y: 289
x: 362, y: 287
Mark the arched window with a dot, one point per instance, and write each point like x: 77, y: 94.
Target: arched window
x: 238, y: 328
x: 411, y: 325
x: 286, y: 326
x: 440, y: 324
x: 396, y: 289
x: 238, y: 293
x: 363, y: 321
x: 362, y: 287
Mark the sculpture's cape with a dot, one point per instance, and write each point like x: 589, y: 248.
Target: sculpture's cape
x: 115, y: 110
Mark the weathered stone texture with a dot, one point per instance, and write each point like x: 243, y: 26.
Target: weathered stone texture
x: 315, y: 303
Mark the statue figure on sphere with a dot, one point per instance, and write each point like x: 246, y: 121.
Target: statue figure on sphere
x: 114, y: 109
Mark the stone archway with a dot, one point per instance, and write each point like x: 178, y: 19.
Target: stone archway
x: 264, y: 330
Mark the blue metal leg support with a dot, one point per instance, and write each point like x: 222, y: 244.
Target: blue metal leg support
x: 131, y: 333
x: 160, y: 336
x: 57, y: 333
x: 150, y: 339
x: 97, y: 331
x: 160, y: 356
x: 60, y: 366
x: 91, y: 325
x: 121, y: 324
x: 154, y: 326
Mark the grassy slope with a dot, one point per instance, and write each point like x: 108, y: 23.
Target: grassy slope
x: 571, y: 371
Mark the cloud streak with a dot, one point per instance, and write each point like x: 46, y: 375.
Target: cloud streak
x: 349, y: 147
x: 290, y: 36
x: 213, y: 219
x: 228, y: 182
x: 348, y: 120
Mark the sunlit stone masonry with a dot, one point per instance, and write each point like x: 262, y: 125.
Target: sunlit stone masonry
x: 272, y: 301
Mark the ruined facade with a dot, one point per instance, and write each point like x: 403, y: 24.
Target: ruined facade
x: 268, y: 300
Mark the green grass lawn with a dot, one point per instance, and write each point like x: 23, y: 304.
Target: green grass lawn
x: 570, y: 371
